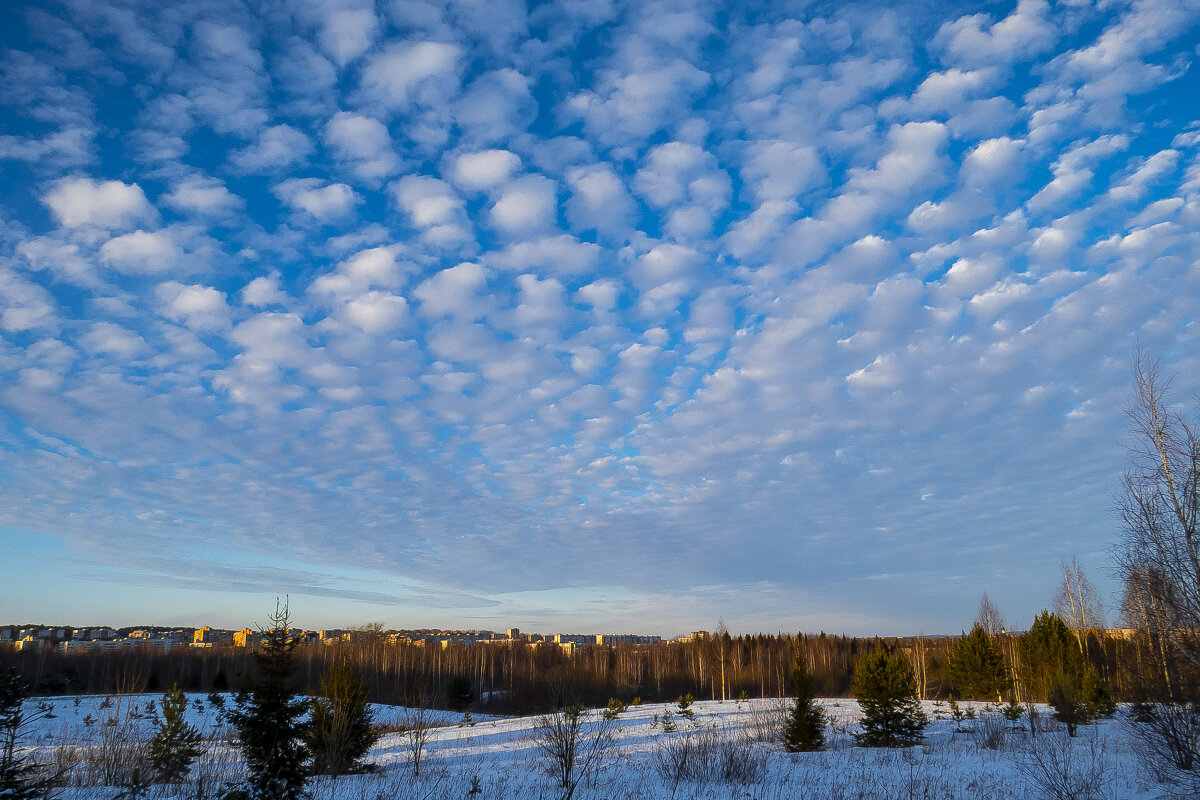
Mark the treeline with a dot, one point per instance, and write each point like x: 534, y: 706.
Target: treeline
x: 514, y: 678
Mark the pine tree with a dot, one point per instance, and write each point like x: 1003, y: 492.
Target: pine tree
x: 18, y: 778
x: 805, y: 727
x: 977, y: 669
x: 268, y: 718
x: 885, y: 688
x: 176, y: 743
x: 340, y: 723
x: 1056, y: 671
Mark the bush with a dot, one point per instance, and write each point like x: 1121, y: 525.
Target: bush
x: 570, y: 753
x: 885, y: 689
x: 709, y: 755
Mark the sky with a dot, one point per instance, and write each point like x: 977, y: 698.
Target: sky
x: 583, y: 315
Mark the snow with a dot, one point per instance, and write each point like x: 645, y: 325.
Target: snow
x: 500, y: 756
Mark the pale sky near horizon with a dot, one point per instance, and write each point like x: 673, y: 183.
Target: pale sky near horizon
x: 582, y: 315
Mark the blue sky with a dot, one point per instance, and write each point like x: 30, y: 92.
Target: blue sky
x: 582, y: 315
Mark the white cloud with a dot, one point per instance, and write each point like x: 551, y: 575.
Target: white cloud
x: 263, y: 291
x: 485, y: 169
x: 201, y: 308
x: 203, y: 195
x: 976, y: 40
x: 141, y: 253
x: 377, y: 312
x: 364, y: 144
x: 599, y: 201
x: 495, y: 107
x: 323, y: 202
x: 277, y: 148
x: 528, y: 204
x: 561, y: 254
x: 434, y: 208
x: 347, y: 33
x: 453, y: 291
x: 410, y: 72
x: 77, y: 202
x: 109, y: 339
x: 374, y: 268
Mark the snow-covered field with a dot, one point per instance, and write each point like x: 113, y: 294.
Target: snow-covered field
x: 500, y: 757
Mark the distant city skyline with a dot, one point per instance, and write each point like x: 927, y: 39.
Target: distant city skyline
x: 583, y: 315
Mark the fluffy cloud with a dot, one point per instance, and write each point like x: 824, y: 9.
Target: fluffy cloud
x: 323, y: 202
x: 77, y: 202
x: 141, y: 253
x: 363, y: 143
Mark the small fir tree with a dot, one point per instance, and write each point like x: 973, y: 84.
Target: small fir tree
x: 977, y: 669
x: 341, y: 728
x: 269, y: 718
x: 176, y: 743
x: 19, y: 779
x: 885, y: 688
x: 805, y: 726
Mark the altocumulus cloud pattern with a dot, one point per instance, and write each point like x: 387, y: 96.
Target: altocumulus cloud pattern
x: 807, y: 314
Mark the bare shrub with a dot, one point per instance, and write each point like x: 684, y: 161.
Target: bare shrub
x: 572, y: 753
x: 418, y: 731
x: 767, y: 721
x: 989, y: 732
x: 120, y: 755
x: 1067, y: 768
x: 1167, y: 739
x: 712, y: 754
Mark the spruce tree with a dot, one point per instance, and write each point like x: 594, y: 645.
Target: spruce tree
x: 176, y: 743
x: 1056, y: 671
x: 18, y: 778
x: 885, y: 688
x: 977, y: 669
x: 341, y: 730
x: 805, y: 727
x: 268, y: 718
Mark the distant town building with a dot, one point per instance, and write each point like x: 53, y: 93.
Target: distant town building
x: 247, y: 638
x: 626, y: 638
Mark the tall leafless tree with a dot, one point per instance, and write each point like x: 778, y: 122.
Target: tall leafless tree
x: 1160, y: 513
x: 1160, y: 556
x: 989, y: 617
x: 1078, y: 603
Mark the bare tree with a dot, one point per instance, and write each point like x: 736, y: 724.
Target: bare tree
x: 1160, y: 557
x: 989, y: 617
x: 1078, y: 604
x: 723, y: 642
x: 1160, y: 513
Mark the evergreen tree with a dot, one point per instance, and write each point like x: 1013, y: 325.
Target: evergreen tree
x: 176, y: 743
x: 885, y: 688
x: 1056, y: 671
x: 977, y: 670
x: 18, y: 778
x: 340, y: 723
x: 268, y: 718
x: 805, y: 726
